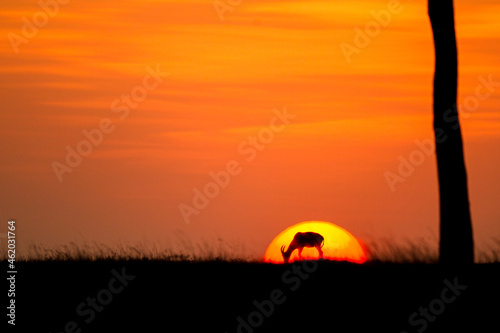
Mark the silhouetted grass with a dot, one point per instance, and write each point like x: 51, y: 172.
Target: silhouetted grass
x: 423, y: 250
x: 210, y: 296
x: 489, y: 253
x: 409, y: 251
x: 185, y: 250
x: 382, y: 250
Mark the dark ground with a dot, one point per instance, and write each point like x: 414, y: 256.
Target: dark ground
x: 210, y: 296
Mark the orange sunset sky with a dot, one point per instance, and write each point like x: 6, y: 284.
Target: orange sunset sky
x: 229, y: 73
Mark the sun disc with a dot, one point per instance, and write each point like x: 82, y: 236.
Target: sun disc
x: 339, y: 243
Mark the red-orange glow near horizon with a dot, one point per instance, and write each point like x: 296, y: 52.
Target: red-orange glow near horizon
x: 339, y: 243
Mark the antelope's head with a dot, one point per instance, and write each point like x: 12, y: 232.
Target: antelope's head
x: 285, y: 254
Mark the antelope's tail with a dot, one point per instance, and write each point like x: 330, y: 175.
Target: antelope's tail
x: 322, y: 243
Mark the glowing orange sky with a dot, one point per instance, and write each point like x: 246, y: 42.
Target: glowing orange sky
x: 353, y: 120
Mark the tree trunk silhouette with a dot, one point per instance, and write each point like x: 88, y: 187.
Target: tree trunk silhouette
x: 456, y: 242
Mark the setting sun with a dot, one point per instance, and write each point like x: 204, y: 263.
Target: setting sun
x: 339, y: 244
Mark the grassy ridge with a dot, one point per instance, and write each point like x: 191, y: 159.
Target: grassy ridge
x: 217, y: 296
x: 382, y: 250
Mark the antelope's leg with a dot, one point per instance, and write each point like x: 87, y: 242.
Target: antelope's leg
x: 320, y: 251
x: 300, y: 253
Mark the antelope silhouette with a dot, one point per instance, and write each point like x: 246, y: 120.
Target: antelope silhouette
x: 301, y: 240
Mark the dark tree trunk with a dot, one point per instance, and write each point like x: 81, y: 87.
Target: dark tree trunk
x: 456, y: 243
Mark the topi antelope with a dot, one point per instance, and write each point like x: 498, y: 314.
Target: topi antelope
x: 301, y: 240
